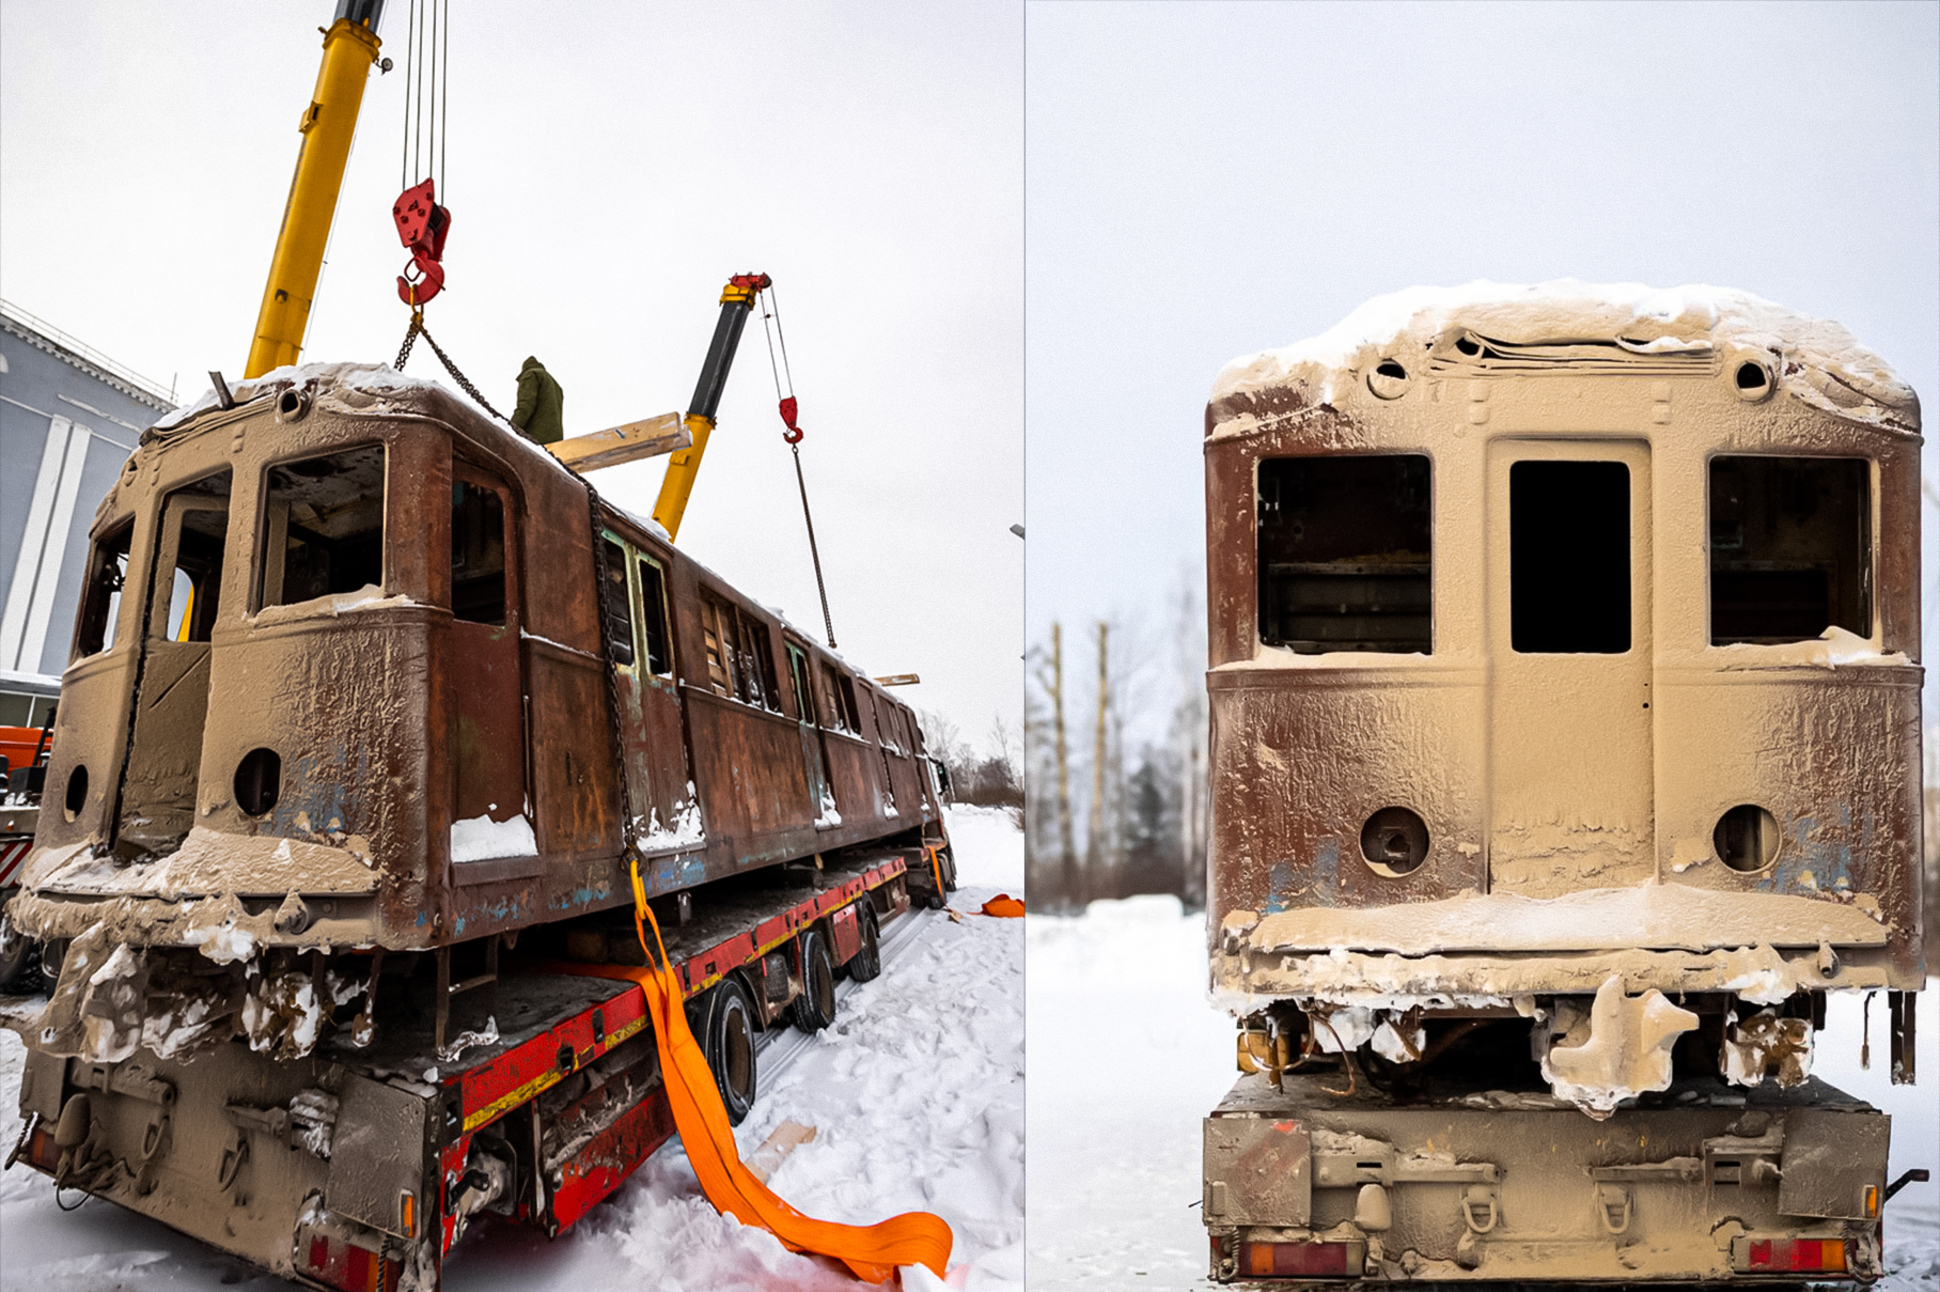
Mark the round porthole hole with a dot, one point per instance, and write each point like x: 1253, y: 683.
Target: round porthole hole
x: 77, y: 791
x: 1389, y: 380
x: 1746, y: 838
x: 259, y: 781
x: 1394, y: 841
x: 1753, y: 380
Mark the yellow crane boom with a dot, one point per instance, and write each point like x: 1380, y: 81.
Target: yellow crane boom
x: 350, y: 46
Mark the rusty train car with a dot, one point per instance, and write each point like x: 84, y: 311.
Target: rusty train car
x: 347, y: 717
x: 1565, y: 754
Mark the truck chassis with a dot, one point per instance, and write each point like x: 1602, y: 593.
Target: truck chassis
x: 361, y: 1168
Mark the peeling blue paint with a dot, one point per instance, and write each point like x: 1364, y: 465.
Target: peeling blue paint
x: 1279, y: 885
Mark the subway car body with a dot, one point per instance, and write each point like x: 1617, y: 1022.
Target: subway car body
x: 356, y: 678
x: 1565, y: 753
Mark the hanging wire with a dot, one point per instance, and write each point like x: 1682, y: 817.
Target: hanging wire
x: 444, y: 111
x: 404, y: 158
x: 431, y: 109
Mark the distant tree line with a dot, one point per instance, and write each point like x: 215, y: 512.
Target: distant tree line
x: 988, y: 777
x: 1114, y: 758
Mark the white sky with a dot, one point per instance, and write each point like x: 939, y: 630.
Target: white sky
x: 609, y: 166
x: 1207, y: 180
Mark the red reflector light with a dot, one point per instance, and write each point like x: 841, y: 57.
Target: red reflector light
x: 1792, y: 1255
x: 1295, y: 1260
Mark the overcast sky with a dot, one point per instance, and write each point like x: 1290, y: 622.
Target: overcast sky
x: 1208, y: 180
x: 609, y: 165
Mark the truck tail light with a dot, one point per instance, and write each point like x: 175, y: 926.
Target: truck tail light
x: 1301, y: 1260
x: 1794, y: 1255
x: 345, y: 1265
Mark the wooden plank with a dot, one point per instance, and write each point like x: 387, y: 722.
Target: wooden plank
x: 899, y: 679
x: 650, y: 438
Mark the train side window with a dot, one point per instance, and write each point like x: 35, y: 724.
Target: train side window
x: 323, y: 527
x: 616, y: 608
x: 1344, y: 554
x: 798, y: 674
x: 1791, y: 548
x: 198, y: 517
x: 846, y: 686
x: 1569, y: 557
x: 101, y: 607
x: 477, y: 553
x: 756, y: 671
x: 653, y: 614
x: 717, y: 632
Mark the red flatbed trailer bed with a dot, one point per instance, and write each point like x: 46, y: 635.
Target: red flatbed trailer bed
x: 537, y: 1125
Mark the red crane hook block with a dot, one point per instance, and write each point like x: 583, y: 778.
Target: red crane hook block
x: 421, y: 225
x: 788, y: 413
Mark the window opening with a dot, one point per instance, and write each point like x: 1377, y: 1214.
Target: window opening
x: 101, y: 605
x: 798, y: 674
x: 653, y: 613
x: 1569, y: 557
x: 717, y: 632
x: 756, y: 671
x: 846, y: 687
x: 324, y: 527
x: 616, y: 610
x: 195, y: 587
x: 1345, y: 554
x: 1791, y: 548
x: 477, y: 553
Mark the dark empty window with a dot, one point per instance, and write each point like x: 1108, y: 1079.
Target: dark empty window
x: 324, y: 527
x: 653, y: 613
x: 1791, y: 546
x: 616, y: 610
x: 477, y: 553
x: 196, y: 520
x: 1569, y: 557
x: 1344, y: 553
x: 101, y: 606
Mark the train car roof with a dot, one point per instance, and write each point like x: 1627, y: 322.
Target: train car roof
x: 413, y: 394
x: 1818, y: 361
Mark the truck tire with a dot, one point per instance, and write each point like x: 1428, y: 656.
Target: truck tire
x: 729, y: 1046
x: 866, y: 963
x: 814, y: 1008
x: 19, y: 956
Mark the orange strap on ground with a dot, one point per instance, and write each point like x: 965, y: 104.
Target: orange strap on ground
x: 872, y: 1252
x: 1004, y: 906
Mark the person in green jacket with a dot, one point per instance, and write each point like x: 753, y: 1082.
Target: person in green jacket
x: 541, y: 404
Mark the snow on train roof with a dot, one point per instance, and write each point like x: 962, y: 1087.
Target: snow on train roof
x: 1642, y: 319
x: 382, y: 379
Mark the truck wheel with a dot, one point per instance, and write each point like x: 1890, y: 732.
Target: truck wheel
x: 730, y: 1048
x: 19, y: 957
x: 814, y: 1009
x: 51, y: 955
x: 866, y: 963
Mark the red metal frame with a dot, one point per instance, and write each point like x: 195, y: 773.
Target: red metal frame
x: 509, y: 1081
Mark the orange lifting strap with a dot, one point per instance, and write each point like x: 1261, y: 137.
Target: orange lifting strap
x: 872, y: 1252
x: 1005, y: 907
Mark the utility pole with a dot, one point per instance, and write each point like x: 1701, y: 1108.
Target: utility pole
x: 1067, y: 851
x: 1095, y: 835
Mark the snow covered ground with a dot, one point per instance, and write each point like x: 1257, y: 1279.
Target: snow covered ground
x: 1126, y: 1057
x: 916, y: 1094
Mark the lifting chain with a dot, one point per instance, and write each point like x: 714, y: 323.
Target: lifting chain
x: 464, y: 383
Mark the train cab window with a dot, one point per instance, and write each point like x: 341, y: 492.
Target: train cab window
x: 756, y: 671
x: 477, y: 553
x: 1569, y: 557
x: 195, y: 525
x: 616, y: 609
x: 653, y: 614
x: 1344, y: 554
x: 1791, y: 545
x: 101, y: 604
x: 323, y: 527
x: 845, y: 686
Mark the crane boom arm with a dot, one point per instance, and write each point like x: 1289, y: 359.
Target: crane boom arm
x: 737, y: 299
x: 330, y: 121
